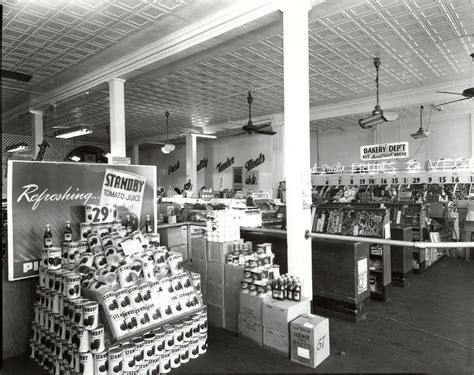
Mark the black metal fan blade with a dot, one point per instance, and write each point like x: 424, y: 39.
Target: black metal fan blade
x: 15, y: 75
x: 449, y: 92
x: 266, y: 132
x: 258, y: 127
x: 452, y: 101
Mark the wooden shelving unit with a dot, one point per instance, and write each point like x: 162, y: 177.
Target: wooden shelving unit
x: 380, y: 274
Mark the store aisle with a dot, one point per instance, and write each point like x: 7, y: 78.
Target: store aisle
x: 439, y: 302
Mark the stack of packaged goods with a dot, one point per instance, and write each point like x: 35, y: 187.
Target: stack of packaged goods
x: 285, y: 305
x: 222, y: 226
x: 222, y: 232
x: 258, y: 273
x: 118, y: 287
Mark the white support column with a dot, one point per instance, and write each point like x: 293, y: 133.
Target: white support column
x: 117, y: 117
x: 36, y: 131
x: 278, y: 152
x: 297, y: 135
x: 135, y: 154
x: 472, y: 131
x: 191, y: 164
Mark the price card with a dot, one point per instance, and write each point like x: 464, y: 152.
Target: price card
x: 100, y: 214
x: 131, y: 246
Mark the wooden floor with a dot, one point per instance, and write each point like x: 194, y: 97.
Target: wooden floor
x: 426, y: 327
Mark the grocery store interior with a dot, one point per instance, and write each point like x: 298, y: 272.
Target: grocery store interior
x: 303, y: 180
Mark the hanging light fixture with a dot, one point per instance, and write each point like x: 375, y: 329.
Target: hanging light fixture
x: 168, y: 147
x: 73, y: 132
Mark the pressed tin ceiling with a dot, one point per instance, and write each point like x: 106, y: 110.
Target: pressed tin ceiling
x: 420, y: 43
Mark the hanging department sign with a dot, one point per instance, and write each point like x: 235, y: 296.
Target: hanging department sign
x: 384, y: 151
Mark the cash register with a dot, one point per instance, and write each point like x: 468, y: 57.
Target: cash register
x: 273, y: 214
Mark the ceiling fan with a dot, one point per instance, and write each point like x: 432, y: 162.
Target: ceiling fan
x: 250, y: 127
x: 467, y: 94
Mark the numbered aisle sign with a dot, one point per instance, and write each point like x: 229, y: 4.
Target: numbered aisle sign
x: 100, y: 214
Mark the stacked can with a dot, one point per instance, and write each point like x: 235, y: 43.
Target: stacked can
x: 65, y: 326
x: 259, y: 269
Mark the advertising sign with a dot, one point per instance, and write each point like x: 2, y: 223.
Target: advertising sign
x: 41, y: 193
x: 384, y: 151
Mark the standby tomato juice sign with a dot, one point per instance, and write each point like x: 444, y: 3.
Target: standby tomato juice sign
x: 41, y: 193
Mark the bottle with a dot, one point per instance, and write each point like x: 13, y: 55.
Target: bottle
x: 275, y: 289
x: 281, y: 289
x: 297, y: 291
x: 48, y: 237
x: 68, y: 232
x: 285, y: 284
x: 289, y: 289
x: 128, y: 225
x: 148, y: 226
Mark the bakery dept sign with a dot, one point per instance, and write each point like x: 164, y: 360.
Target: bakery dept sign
x: 173, y: 168
x: 223, y: 166
x: 384, y: 151
x: 202, y: 164
x: 251, y: 164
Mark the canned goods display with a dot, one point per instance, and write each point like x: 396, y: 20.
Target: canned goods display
x: 69, y: 327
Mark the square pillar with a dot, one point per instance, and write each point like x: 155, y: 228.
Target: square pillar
x: 36, y: 131
x: 117, y: 117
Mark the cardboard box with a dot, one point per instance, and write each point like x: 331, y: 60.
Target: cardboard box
x: 252, y: 306
x: 233, y: 276
x: 200, y: 266
x: 215, y: 315
x: 174, y: 236
x: 231, y: 309
x: 197, y: 248
x: 250, y: 329
x: 215, y: 294
x: 216, y: 251
x: 276, y: 341
x: 277, y: 314
x: 215, y: 273
x: 180, y: 249
x: 309, y: 340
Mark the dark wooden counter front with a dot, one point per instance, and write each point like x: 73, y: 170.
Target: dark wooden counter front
x: 338, y: 268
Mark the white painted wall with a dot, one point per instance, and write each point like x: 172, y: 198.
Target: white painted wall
x: 451, y: 138
x: 242, y: 148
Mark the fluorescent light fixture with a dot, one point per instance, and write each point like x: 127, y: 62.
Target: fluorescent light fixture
x: 18, y: 147
x: 203, y: 135
x: 75, y: 158
x: 377, y: 117
x: 421, y: 133
x: 164, y: 150
x: 73, y: 132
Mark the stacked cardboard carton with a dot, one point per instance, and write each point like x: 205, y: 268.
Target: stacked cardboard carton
x: 277, y: 316
x: 198, y: 246
x: 222, y: 299
x: 309, y: 340
x: 251, y: 316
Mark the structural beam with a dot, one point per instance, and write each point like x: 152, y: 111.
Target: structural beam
x: 117, y: 117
